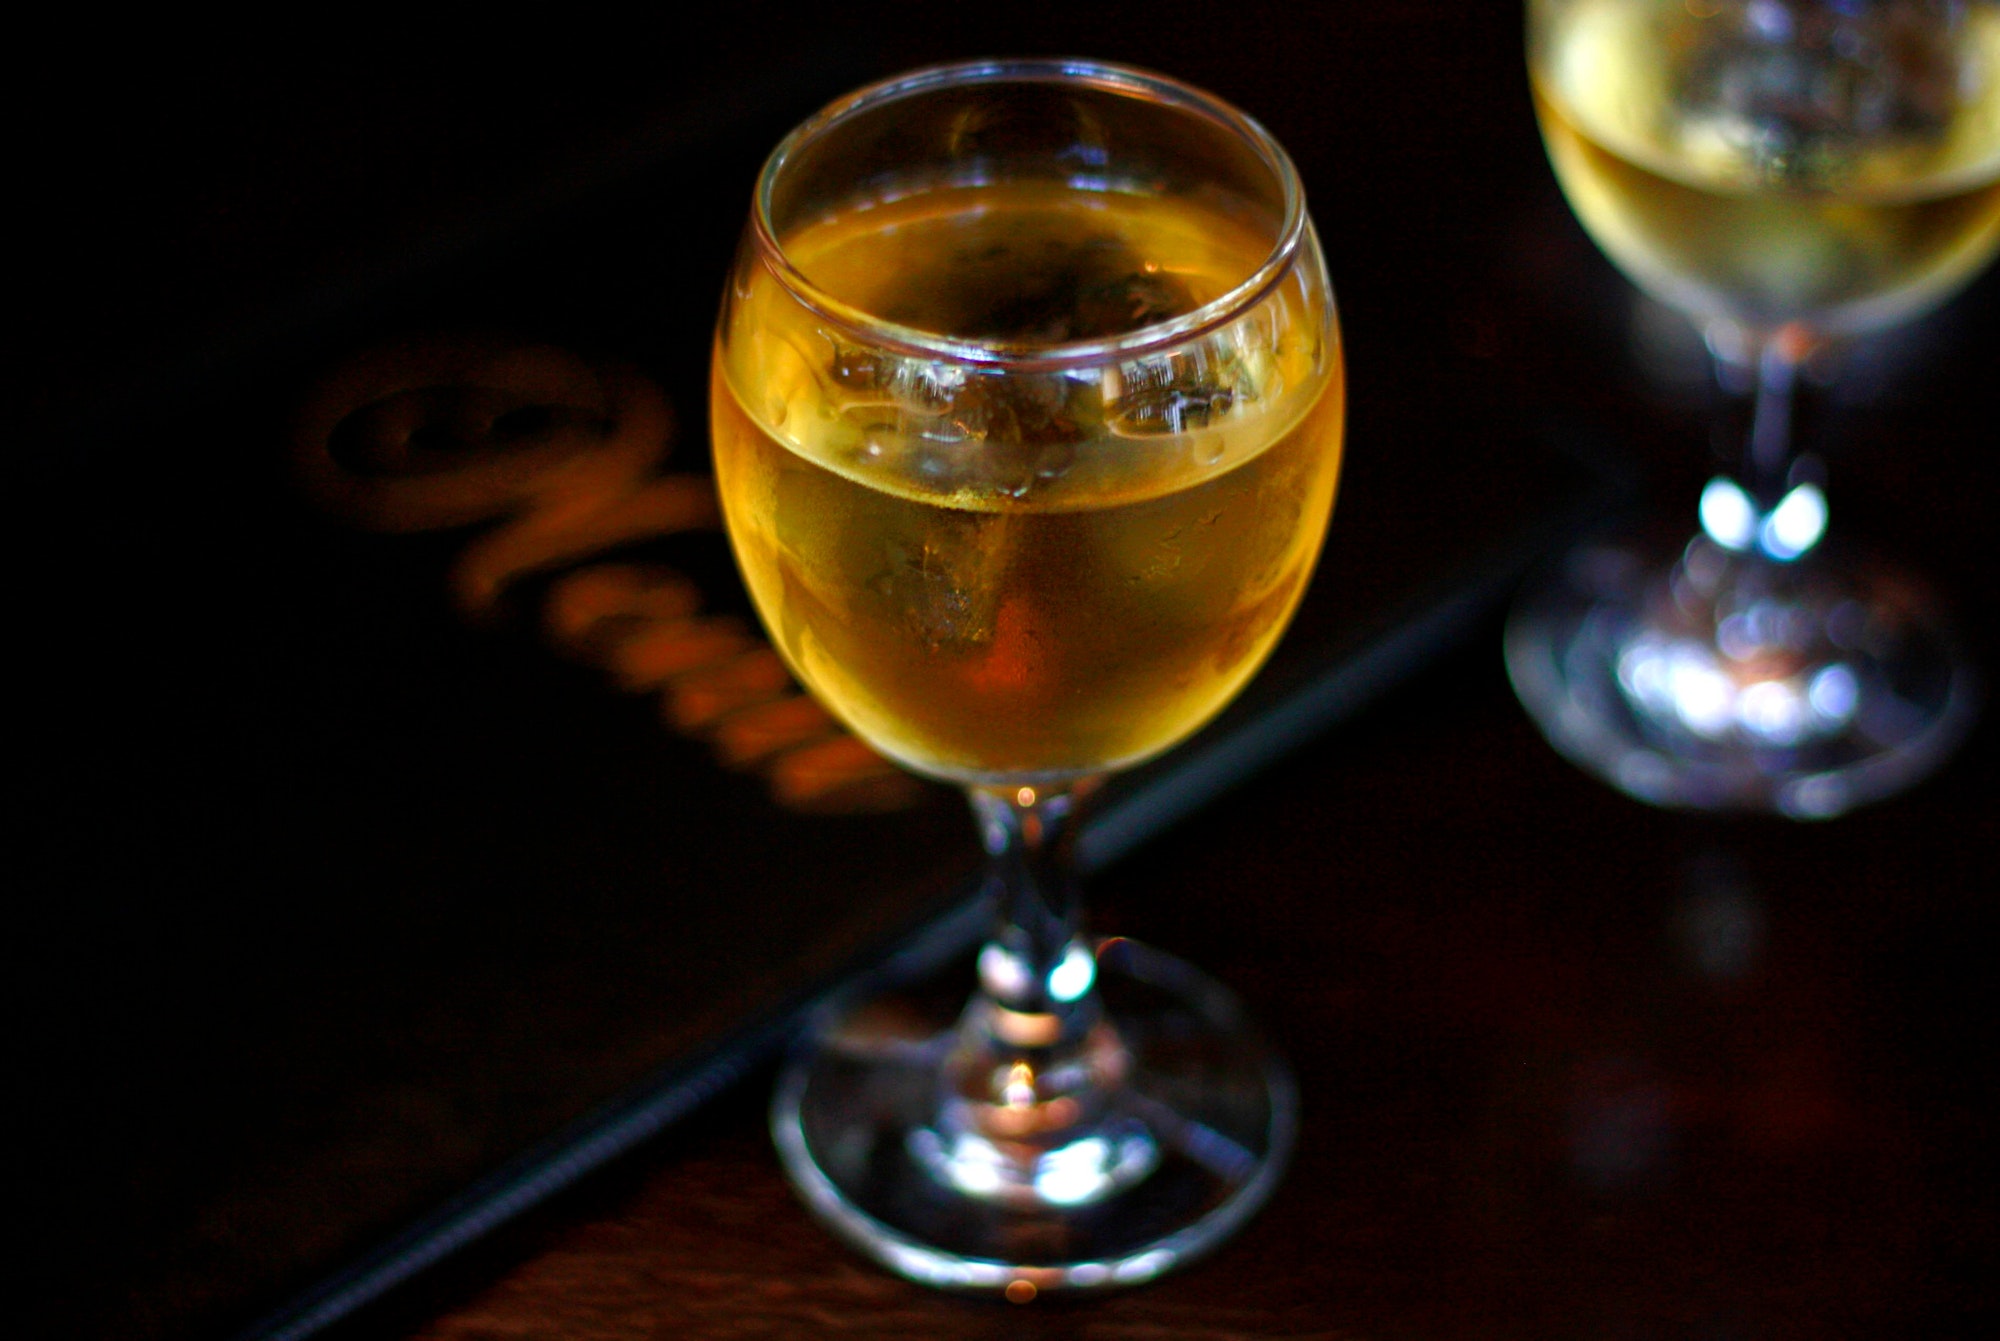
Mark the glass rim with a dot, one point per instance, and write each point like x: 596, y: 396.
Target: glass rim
x: 1126, y: 80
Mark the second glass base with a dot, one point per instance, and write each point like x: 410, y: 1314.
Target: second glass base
x: 1189, y: 1124
x: 1716, y: 680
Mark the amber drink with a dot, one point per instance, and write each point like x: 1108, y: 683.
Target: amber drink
x: 1034, y: 577
x: 1027, y: 416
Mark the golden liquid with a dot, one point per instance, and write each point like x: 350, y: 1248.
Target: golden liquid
x: 1022, y: 584
x: 1846, y: 181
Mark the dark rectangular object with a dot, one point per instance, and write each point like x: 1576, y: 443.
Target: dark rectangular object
x: 356, y: 925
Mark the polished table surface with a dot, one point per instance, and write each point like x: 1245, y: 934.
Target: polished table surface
x: 1570, y: 1066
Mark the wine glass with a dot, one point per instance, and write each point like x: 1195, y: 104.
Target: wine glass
x: 1027, y: 412
x: 1788, y: 174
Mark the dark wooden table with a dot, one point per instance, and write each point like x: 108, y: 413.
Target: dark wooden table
x: 1571, y: 1067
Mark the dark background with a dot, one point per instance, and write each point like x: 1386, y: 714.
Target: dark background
x: 1527, y: 1114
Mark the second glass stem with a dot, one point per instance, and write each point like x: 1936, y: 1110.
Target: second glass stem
x: 1769, y: 453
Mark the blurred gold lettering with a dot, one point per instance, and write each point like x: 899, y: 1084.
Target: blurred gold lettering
x: 570, y: 527
x: 429, y: 434
x: 587, y: 610
x: 762, y: 731
x: 559, y: 460
x: 703, y: 697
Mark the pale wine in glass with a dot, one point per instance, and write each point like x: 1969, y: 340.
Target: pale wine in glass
x: 1788, y: 174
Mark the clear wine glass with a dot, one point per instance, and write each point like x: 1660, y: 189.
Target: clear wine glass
x: 1027, y: 413
x: 1788, y: 174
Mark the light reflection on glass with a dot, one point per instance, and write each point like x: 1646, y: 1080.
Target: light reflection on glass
x: 1795, y: 525
x: 1071, y: 978
x: 1679, y: 677
x: 1002, y: 972
x: 1713, y: 697
x: 1073, y: 1175
x: 1730, y: 517
x: 1833, y: 693
x: 1773, y: 710
x: 1727, y: 514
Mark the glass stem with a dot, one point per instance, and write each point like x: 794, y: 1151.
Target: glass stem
x: 1036, y: 964
x: 1029, y: 1114
x: 1768, y: 455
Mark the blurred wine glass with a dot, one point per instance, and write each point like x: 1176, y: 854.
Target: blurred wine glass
x: 1788, y: 174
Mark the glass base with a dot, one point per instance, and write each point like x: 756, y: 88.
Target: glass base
x: 1724, y: 681
x: 1180, y: 1132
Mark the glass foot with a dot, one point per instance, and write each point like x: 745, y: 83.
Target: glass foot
x: 1720, y: 680
x: 1173, y: 1133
